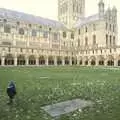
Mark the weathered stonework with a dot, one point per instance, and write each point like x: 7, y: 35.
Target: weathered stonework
x: 29, y: 40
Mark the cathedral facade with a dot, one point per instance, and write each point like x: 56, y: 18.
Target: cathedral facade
x: 28, y: 40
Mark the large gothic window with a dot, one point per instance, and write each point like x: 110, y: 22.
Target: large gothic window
x: 7, y: 29
x: 21, y: 31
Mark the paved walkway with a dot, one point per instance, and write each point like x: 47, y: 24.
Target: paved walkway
x: 58, y: 109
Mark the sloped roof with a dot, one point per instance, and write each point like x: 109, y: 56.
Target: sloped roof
x: 86, y: 20
x: 29, y: 18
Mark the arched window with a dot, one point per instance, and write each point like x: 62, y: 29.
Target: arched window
x: 110, y: 39
x: 64, y: 35
x: 86, y: 29
x: 94, y: 39
x: 50, y: 29
x: 7, y: 29
x: 64, y: 44
x: 21, y: 50
x: 79, y: 31
x: 106, y: 26
x: 106, y: 39
x: 78, y: 42
x: 113, y: 40
x: 113, y: 28
x: 94, y: 27
x: 86, y: 41
x: 34, y: 33
x: 30, y: 25
x: 55, y: 36
x: 5, y: 20
x: 77, y: 8
x: 21, y: 31
x: 45, y: 34
x: 72, y: 35
x: 72, y: 44
x: 73, y: 7
x: 110, y: 27
x: 18, y: 23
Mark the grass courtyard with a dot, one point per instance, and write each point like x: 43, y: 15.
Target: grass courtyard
x: 37, y: 87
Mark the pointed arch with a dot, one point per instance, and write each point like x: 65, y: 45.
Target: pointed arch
x: 20, y: 60
x: 0, y: 61
x: 42, y: 60
x: 67, y: 62
x: 32, y: 60
x: 101, y: 60
x: 93, y: 60
x: 110, y: 61
x: 119, y: 60
x: 80, y: 62
x: 9, y: 59
x: 74, y: 60
x: 86, y: 60
x: 59, y: 60
x: 50, y: 60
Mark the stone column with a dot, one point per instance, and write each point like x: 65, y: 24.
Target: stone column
x: 37, y: 61
x: 97, y: 62
x: 63, y: 61
x: 46, y: 61
x: 15, y: 61
x: 55, y: 61
x: 70, y: 61
x: 115, y: 63
x: 105, y: 62
x: 89, y: 62
x: 78, y: 62
x: 3, y: 61
x: 83, y: 62
x: 27, y: 61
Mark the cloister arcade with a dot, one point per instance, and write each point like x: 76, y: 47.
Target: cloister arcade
x: 33, y: 60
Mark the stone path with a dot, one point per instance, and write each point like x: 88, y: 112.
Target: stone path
x: 58, y: 109
x: 44, y: 77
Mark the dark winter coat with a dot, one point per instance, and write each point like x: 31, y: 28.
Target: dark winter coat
x: 11, y: 91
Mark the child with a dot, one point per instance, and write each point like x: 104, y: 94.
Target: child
x: 11, y: 91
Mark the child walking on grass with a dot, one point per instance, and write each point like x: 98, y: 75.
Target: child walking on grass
x: 11, y: 91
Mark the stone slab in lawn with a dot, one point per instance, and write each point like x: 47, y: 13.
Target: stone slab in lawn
x: 58, y: 109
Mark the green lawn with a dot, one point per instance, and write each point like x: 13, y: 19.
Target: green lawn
x: 102, y: 86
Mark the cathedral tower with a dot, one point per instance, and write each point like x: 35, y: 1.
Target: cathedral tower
x: 101, y: 8
x: 69, y: 11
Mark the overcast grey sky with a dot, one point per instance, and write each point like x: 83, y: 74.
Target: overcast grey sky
x: 48, y: 8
